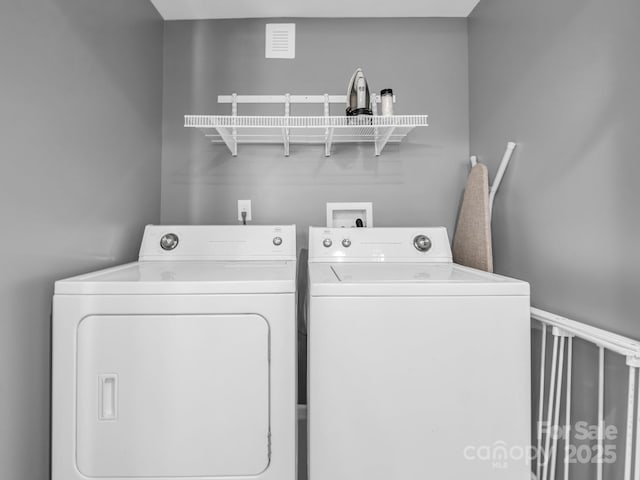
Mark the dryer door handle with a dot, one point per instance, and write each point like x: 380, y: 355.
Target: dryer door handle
x: 108, y: 397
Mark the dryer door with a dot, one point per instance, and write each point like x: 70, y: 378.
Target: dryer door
x: 172, y: 395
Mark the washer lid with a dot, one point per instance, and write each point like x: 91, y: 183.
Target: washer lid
x: 185, y: 277
x: 402, y: 279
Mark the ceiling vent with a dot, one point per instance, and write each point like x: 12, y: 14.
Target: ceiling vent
x: 280, y: 40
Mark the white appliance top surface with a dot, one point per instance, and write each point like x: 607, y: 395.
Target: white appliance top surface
x: 186, y: 277
x: 404, y: 279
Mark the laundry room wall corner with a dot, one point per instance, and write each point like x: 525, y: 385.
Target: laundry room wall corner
x: 561, y: 79
x: 417, y: 182
x: 81, y: 97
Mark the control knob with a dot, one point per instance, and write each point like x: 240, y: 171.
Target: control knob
x: 422, y: 243
x: 169, y: 241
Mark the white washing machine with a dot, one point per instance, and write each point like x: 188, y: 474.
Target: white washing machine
x: 181, y: 365
x: 418, y: 368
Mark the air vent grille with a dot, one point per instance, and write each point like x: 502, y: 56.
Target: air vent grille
x: 280, y: 40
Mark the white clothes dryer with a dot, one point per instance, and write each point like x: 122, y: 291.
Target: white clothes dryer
x: 418, y: 368
x: 182, y: 364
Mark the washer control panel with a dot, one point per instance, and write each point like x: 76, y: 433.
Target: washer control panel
x: 421, y: 244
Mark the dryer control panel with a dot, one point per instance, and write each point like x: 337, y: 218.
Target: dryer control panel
x: 218, y: 242
x: 419, y: 244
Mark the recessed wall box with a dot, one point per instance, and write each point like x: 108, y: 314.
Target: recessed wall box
x: 347, y: 214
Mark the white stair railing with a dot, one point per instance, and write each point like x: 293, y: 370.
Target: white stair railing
x: 563, y: 331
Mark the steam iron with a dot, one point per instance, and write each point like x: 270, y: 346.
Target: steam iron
x: 358, y: 99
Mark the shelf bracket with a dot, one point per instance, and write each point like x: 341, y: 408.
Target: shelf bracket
x: 376, y: 131
x: 328, y: 140
x: 381, y: 141
x: 234, y: 131
x: 229, y: 140
x: 285, y: 130
x: 328, y: 131
x: 285, y: 141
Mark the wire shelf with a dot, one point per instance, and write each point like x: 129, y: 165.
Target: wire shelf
x: 240, y: 121
x: 321, y: 130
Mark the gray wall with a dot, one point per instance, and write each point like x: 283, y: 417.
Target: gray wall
x: 80, y: 90
x: 416, y: 183
x: 424, y: 61
x: 561, y: 79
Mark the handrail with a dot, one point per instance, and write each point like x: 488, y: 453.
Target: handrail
x: 563, y: 331
x: 603, y: 338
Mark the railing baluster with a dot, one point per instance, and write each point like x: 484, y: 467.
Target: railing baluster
x: 552, y: 385
x: 556, y: 413
x: 543, y: 354
x: 631, y: 393
x: 567, y: 418
x: 600, y: 447
x: 636, y: 467
x: 604, y: 340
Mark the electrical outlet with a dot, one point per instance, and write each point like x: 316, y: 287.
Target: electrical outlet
x: 244, y: 206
